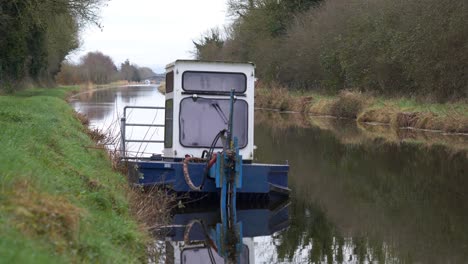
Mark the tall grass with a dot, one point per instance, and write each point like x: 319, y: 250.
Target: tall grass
x: 366, y: 108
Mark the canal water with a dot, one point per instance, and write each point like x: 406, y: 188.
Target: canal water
x: 360, y: 194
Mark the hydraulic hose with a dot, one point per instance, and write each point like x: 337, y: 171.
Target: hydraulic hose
x: 210, y: 160
x: 188, y: 180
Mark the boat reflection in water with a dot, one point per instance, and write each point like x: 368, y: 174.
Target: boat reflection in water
x: 198, y: 235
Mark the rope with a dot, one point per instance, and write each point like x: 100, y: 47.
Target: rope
x: 209, y: 159
x: 188, y: 228
x: 209, y: 243
x: 188, y: 180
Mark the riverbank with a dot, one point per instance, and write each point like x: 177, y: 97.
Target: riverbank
x: 91, y: 86
x: 398, y: 113
x: 351, y: 133
x: 61, y: 200
x: 162, y: 87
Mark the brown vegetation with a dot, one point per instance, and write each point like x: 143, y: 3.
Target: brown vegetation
x: 279, y: 99
x: 151, y: 207
x: 348, y: 104
x: 162, y: 87
x: 82, y: 118
x: 40, y: 214
x: 383, y: 115
x: 359, y: 106
x: 453, y: 122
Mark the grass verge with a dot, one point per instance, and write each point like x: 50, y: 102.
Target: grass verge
x: 60, y: 199
x: 399, y: 113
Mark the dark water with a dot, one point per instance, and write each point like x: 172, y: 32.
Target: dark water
x: 360, y: 194
x: 361, y: 199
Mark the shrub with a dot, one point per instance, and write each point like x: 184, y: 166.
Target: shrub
x: 348, y: 105
x: 389, y: 47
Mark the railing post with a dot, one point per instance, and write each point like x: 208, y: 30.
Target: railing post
x: 124, y: 124
x: 122, y: 137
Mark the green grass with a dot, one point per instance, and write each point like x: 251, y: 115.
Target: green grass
x: 402, y: 104
x: 60, y: 92
x: 411, y: 105
x: 60, y: 201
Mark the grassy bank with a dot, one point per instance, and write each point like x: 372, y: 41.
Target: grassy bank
x: 60, y: 199
x: 399, y: 113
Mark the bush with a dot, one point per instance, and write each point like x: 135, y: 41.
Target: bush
x: 388, y: 47
x: 348, y: 105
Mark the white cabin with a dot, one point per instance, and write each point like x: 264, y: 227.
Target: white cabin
x: 197, y: 106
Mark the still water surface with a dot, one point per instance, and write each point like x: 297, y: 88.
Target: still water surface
x: 360, y: 195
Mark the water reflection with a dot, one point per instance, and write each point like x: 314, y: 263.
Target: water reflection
x: 104, y: 108
x: 363, y: 200
x: 195, y: 234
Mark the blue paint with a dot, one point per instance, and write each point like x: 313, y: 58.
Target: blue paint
x: 252, y: 223
x: 256, y: 178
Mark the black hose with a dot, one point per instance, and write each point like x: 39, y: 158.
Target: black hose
x: 207, y: 243
x: 213, y: 144
x: 209, y: 154
x: 207, y: 238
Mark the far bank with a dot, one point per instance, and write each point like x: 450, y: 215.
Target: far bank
x: 397, y: 112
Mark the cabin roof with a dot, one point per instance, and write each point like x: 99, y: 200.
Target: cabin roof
x: 208, y: 61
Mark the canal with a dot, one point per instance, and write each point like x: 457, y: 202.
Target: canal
x: 360, y: 194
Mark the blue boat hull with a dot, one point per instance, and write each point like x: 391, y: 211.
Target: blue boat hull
x: 255, y: 222
x: 256, y: 178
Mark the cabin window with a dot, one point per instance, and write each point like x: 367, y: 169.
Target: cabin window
x: 168, y: 127
x: 224, y: 82
x: 170, y: 82
x: 201, y: 119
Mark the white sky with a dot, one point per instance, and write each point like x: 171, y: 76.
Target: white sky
x: 151, y: 33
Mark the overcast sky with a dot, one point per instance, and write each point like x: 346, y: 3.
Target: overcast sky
x: 151, y: 33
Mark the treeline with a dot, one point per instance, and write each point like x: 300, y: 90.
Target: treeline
x: 35, y: 37
x: 389, y: 47
x: 98, y: 68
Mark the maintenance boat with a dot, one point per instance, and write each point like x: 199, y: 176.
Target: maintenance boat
x: 208, y: 136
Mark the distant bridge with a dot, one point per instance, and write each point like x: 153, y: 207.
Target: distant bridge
x: 157, y: 77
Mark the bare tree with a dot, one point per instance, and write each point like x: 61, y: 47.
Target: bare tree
x: 98, y: 68
x: 240, y: 7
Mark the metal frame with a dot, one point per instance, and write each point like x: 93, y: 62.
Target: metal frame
x: 124, y: 124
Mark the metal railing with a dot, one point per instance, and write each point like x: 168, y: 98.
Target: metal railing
x: 124, y: 125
